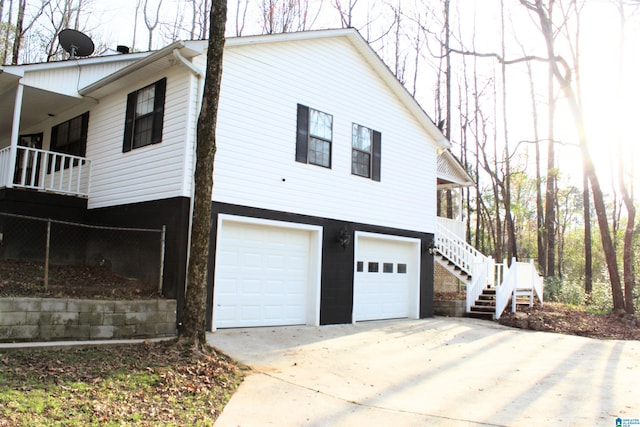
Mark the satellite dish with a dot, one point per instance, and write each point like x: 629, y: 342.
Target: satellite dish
x: 75, y: 43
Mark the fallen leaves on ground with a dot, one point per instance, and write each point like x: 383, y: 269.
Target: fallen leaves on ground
x: 20, y: 278
x: 144, y: 384
x: 559, y: 318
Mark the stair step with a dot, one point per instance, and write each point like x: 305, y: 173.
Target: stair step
x: 483, y: 308
x: 490, y: 304
x: 481, y: 315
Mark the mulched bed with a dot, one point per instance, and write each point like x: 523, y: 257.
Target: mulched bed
x: 559, y: 318
x: 20, y: 278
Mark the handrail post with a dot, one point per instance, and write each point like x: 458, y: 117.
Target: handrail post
x: 46, y: 256
x: 163, y: 235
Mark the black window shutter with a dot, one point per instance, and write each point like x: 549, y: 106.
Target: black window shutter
x: 128, y: 122
x: 158, y: 111
x: 375, y: 162
x: 302, y: 136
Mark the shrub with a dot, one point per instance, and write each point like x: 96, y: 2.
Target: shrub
x: 571, y: 292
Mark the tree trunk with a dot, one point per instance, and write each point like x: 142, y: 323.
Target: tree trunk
x: 5, y: 48
x: 627, y: 251
x: 512, y: 245
x: 550, y: 194
x: 194, y: 324
x: 627, y: 198
x: 588, y: 256
x: 589, y: 168
x: 17, y: 40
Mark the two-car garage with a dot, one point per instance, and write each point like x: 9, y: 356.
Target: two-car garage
x: 268, y: 273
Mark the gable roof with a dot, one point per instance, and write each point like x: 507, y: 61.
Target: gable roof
x: 372, y: 58
x: 451, y: 173
x: 135, y: 63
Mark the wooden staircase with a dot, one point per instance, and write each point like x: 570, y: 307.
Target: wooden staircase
x: 491, y: 287
x: 451, y: 267
x: 485, y: 306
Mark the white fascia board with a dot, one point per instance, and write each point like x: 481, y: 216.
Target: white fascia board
x: 12, y: 71
x: 275, y: 38
x: 75, y: 62
x: 187, y: 50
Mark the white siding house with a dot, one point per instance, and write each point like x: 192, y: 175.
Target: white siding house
x: 325, y: 173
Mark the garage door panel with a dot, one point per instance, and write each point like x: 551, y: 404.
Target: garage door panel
x: 262, y: 275
x: 385, y: 293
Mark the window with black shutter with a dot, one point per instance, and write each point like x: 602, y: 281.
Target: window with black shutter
x: 365, y: 152
x: 314, y: 137
x: 144, y: 116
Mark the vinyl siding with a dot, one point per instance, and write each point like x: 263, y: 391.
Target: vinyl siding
x: 67, y: 80
x: 148, y: 173
x: 255, y: 162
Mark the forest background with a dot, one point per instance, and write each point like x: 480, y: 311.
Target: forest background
x: 538, y: 97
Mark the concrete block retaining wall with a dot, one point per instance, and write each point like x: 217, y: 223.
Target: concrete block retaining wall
x: 57, y: 319
x: 451, y: 308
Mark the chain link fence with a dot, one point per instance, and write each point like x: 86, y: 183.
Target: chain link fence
x: 47, y: 244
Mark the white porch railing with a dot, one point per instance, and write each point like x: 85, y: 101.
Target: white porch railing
x: 457, y: 228
x: 46, y: 171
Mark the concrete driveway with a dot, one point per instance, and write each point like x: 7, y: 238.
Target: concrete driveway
x: 439, y: 371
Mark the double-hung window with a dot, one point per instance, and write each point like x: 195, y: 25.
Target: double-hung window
x: 145, y: 116
x: 70, y: 137
x: 314, y: 137
x: 365, y: 152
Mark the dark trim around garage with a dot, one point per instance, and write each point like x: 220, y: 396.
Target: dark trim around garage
x: 336, y: 296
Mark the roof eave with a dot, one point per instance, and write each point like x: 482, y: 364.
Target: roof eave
x: 149, y: 59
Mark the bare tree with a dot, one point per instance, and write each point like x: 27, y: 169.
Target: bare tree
x: 135, y: 24
x: 241, y: 16
x: 345, y: 9
x: 282, y: 16
x: 61, y: 14
x: 150, y: 21
x: 627, y: 196
x: 22, y: 26
x: 4, y: 31
x: 194, y: 325
x: 562, y: 74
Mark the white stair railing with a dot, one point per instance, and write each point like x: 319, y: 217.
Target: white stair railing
x: 538, y: 283
x: 481, y: 277
x: 505, y: 289
x: 519, y: 279
x: 457, y: 251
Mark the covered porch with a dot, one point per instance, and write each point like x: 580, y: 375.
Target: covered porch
x: 29, y: 160
x: 452, y: 176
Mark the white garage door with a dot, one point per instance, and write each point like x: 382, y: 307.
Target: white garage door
x: 385, y: 279
x: 261, y: 276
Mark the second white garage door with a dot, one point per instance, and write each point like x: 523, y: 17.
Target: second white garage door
x: 262, y: 275
x: 386, y: 280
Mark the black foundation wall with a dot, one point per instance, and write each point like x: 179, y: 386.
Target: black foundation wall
x: 174, y: 214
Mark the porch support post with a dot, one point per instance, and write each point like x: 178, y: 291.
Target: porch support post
x: 15, y: 134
